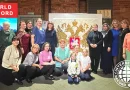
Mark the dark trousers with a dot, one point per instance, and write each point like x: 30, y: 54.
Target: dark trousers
x: 58, y: 71
x: 7, y: 76
x: 47, y: 70
x: 32, y: 72
x: 1, y: 57
x: 85, y: 75
x: 73, y: 80
x: 94, y: 63
x: 21, y: 73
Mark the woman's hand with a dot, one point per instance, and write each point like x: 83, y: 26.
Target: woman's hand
x: 124, y: 55
x: 108, y: 49
x: 92, y: 45
x: 16, y: 69
x: 52, y: 62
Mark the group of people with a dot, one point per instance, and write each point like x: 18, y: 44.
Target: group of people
x: 109, y: 46
x: 35, y: 51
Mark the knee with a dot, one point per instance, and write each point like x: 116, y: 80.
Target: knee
x: 57, y: 72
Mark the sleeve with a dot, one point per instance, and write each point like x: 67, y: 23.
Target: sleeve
x: 89, y: 61
x: 109, y: 38
x: 56, y: 53
x: 29, y: 59
x: 20, y: 60
x: 100, y: 39
x: 33, y: 30
x: 6, y: 57
x: 88, y: 39
x: 41, y: 58
x: 78, y: 68
x: 55, y: 39
x: 68, y: 54
x: 125, y: 42
x: 51, y: 56
x: 69, y: 69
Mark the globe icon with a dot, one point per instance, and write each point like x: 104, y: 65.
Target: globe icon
x: 121, y: 73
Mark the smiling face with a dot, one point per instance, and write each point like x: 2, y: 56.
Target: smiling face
x: 6, y: 26
x: 47, y: 47
x: 105, y: 27
x: 15, y: 42
x: 95, y: 27
x: 23, y: 25
x: 85, y: 52
x: 50, y: 26
x: 124, y: 25
x: 76, y: 49
x: 35, y: 49
x: 39, y: 22
x: 29, y: 24
x: 73, y: 56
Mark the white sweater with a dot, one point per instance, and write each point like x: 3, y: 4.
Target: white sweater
x: 73, y: 68
x: 11, y: 57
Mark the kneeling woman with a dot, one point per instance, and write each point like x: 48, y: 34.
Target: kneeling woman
x: 11, y: 64
x: 46, y: 61
x: 31, y: 60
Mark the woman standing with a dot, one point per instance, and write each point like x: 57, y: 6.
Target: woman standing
x: 46, y: 61
x: 106, y: 56
x: 115, y: 43
x: 51, y: 37
x: 32, y: 68
x: 11, y: 63
x: 94, y: 40
x: 126, y: 47
x: 124, y: 31
x: 24, y: 39
x: 38, y: 34
x: 29, y: 26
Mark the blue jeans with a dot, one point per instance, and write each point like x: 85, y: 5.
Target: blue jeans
x: 73, y: 80
x: 85, y: 75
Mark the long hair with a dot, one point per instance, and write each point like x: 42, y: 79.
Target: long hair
x: 48, y: 26
x: 18, y: 46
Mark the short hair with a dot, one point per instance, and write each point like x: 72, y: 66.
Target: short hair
x: 38, y: 19
x: 85, y: 50
x: 6, y: 23
x: 45, y: 45
x: 95, y: 25
x: 62, y: 40
x: 36, y: 46
x: 125, y: 21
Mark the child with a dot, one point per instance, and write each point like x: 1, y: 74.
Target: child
x: 73, y: 70
x: 85, y: 62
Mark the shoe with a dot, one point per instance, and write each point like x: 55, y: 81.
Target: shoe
x: 48, y: 78
x: 18, y: 81
x: 29, y: 80
x: 95, y: 72
x: 52, y: 77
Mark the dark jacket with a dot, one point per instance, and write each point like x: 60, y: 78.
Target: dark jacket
x: 121, y: 40
x: 107, y: 40
x: 95, y: 37
x: 51, y: 37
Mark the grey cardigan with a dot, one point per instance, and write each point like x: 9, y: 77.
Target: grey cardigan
x: 30, y: 59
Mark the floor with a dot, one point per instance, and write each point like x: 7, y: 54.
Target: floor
x: 101, y: 82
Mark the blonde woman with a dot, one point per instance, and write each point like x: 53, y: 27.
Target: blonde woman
x: 124, y: 30
x: 115, y: 43
x: 32, y: 68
